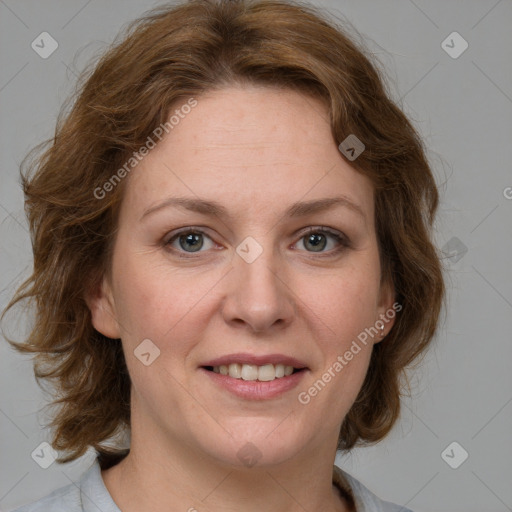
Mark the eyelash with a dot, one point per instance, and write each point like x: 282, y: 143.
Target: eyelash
x: 340, y: 238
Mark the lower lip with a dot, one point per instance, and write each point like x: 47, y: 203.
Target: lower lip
x: 255, y: 389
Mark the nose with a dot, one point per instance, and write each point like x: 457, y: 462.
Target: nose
x: 259, y: 296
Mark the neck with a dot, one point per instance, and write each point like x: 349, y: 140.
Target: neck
x: 160, y: 474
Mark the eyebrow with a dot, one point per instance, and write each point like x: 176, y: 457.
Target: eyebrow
x: 298, y: 209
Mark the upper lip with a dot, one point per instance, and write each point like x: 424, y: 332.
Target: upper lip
x: 258, y: 360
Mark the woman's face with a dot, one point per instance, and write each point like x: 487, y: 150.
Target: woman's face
x: 191, y: 289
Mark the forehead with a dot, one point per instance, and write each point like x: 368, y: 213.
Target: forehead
x: 248, y: 148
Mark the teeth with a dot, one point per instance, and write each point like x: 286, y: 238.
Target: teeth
x: 235, y: 371
x: 249, y: 372
x: 267, y: 372
x: 264, y: 373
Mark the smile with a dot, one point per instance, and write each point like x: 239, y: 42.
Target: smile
x: 264, y: 373
x: 255, y: 376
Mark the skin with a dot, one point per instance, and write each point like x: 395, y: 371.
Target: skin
x: 256, y: 150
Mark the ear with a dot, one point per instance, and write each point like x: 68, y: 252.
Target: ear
x: 387, y: 309
x: 100, y: 301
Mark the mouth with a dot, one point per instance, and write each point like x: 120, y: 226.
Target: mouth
x: 251, y: 372
x: 255, y: 377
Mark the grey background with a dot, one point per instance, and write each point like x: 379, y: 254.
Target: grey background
x: 463, y: 109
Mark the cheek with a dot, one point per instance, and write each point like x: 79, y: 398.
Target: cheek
x: 345, y: 302
x: 169, y: 310
x: 343, y: 306
x: 341, y: 314
x: 161, y: 304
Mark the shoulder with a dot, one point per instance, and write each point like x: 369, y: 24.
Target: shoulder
x: 365, y: 500
x: 65, y: 499
x: 87, y: 495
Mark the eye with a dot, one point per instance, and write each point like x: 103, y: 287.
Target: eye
x: 316, y: 240
x: 189, y: 240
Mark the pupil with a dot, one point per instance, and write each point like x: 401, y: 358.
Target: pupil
x: 195, y: 243
x: 191, y: 238
x: 314, y: 239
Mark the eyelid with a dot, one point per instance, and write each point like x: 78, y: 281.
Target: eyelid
x: 175, y: 234
x: 343, y: 241
x: 326, y: 230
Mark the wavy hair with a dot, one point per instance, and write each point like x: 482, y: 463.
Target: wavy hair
x: 172, y: 53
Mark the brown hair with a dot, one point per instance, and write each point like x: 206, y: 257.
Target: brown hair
x: 173, y: 53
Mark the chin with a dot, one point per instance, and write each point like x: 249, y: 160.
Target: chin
x: 255, y: 442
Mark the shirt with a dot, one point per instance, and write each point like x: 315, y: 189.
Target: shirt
x: 91, y: 495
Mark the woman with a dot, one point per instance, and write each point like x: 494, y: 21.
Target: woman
x: 233, y: 264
